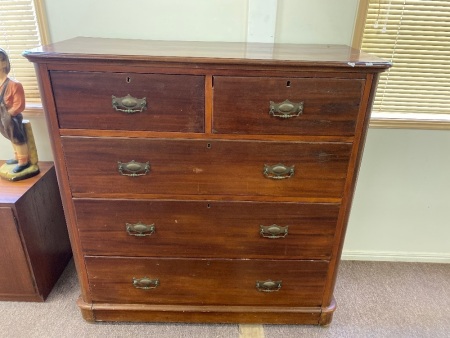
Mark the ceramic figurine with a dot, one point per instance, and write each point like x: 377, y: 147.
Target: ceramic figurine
x: 13, y: 127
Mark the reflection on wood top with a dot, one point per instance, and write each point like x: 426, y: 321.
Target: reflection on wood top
x: 206, y: 52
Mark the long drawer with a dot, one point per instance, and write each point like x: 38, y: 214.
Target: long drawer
x: 277, y: 105
x: 206, y: 281
x: 97, y: 100
x: 206, y: 229
x: 201, y: 167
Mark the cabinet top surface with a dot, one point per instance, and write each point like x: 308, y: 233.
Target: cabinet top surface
x: 11, y: 192
x: 205, y: 52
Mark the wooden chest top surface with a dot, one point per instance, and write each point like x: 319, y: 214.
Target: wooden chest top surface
x: 208, y: 52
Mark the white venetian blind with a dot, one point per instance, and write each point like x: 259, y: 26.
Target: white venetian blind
x: 415, y: 36
x: 18, y: 32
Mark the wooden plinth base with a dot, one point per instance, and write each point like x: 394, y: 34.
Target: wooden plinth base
x: 206, y: 314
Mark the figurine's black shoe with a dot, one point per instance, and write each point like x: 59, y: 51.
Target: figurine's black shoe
x: 12, y: 161
x: 19, y: 168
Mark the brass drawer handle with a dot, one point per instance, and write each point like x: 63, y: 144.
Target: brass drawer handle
x: 145, y: 283
x: 129, y: 104
x: 273, y: 231
x: 285, y: 109
x: 140, y: 229
x: 278, y: 171
x: 133, y: 168
x: 268, y: 285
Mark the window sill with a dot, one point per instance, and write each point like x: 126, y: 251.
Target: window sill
x: 33, y: 109
x: 410, y: 121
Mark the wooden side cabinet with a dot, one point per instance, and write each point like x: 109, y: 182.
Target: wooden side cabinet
x: 34, y: 243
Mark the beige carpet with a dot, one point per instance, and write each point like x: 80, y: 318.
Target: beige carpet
x: 375, y: 299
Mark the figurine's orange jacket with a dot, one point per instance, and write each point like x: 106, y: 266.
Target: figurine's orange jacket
x: 14, y: 97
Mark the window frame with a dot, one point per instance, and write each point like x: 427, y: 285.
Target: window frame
x: 34, y: 108
x: 397, y: 121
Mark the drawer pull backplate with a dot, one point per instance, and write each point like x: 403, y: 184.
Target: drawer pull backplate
x: 140, y: 229
x: 129, y: 104
x: 133, y: 168
x: 145, y: 283
x: 278, y: 171
x: 268, y: 285
x: 273, y: 231
x: 285, y: 109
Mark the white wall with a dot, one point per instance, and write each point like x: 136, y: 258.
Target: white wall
x: 402, y: 202
x: 199, y: 20
x: 318, y: 21
x: 401, y: 209
x: 297, y: 21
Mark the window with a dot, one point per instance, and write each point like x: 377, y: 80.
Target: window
x: 21, y: 29
x: 415, y: 36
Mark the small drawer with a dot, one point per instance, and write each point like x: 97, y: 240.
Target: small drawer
x: 129, y: 101
x: 205, y: 167
x: 206, y: 281
x: 206, y: 229
x: 295, y: 106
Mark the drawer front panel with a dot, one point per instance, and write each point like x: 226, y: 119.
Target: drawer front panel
x: 206, y: 229
x: 206, y: 281
x: 174, y: 103
x: 242, y: 105
x: 198, y: 167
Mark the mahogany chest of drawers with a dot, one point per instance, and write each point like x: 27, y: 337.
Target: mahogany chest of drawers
x: 206, y: 182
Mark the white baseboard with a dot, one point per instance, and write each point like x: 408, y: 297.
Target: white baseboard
x: 395, y: 256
